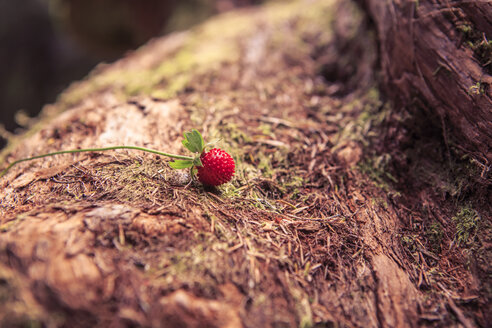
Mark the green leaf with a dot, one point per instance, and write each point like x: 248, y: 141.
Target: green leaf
x: 193, y: 141
x: 186, y: 144
x: 181, y: 163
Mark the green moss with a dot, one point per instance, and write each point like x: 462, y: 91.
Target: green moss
x: 265, y: 166
x: 466, y: 221
x: 194, y: 57
x: 465, y: 29
x: 295, y: 182
x: 234, y: 133
x: 204, y: 49
x: 434, y: 234
x: 364, y: 129
x: 477, y: 89
x: 474, y: 38
x: 377, y: 168
x: 409, y: 242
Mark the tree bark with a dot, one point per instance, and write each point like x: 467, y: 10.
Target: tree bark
x: 301, y: 237
x: 438, y: 55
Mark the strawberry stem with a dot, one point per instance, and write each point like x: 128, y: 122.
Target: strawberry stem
x: 94, y: 150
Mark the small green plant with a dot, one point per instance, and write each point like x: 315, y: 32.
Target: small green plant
x: 466, y: 222
x: 477, y: 89
x: 477, y: 41
x: 214, y: 167
x: 409, y: 242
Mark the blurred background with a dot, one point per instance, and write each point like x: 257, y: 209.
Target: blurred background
x: 47, y: 44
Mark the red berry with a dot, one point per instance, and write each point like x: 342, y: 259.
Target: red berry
x: 218, y: 167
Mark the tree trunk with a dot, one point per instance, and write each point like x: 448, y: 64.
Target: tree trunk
x: 438, y: 55
x: 309, y: 232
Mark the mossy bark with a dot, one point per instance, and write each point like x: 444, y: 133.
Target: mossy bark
x: 301, y: 236
x: 437, y: 55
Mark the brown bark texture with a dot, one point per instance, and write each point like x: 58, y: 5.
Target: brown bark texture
x: 438, y: 55
x: 311, y: 232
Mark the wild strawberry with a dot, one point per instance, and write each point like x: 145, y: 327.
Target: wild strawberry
x: 217, y: 167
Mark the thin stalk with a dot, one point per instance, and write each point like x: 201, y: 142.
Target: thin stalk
x: 94, y: 150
